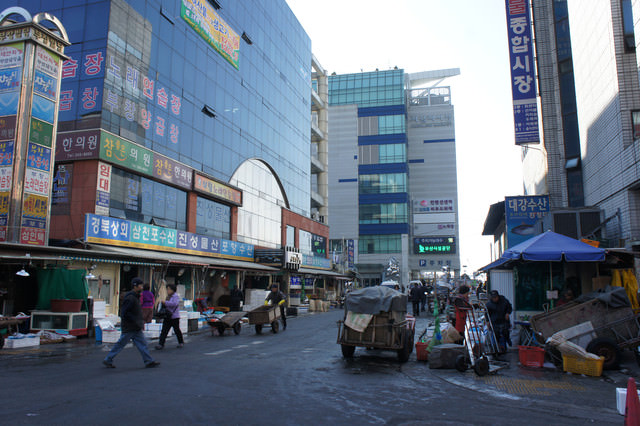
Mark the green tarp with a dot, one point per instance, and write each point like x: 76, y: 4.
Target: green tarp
x: 59, y: 283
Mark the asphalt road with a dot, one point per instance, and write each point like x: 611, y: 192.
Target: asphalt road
x: 294, y: 377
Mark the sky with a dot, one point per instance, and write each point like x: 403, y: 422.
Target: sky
x: 421, y: 35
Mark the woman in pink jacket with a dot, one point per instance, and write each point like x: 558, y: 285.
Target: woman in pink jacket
x: 172, y: 304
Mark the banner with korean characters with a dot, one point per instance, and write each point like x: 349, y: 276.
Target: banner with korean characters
x: 6, y: 177
x: 35, y: 202
x: 521, y: 216
x: 78, y: 145
x: 120, y: 232
x: 217, y: 190
x: 126, y: 154
x: 523, y: 72
x: 103, y: 189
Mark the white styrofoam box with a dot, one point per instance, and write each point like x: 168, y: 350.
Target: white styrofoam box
x: 193, y: 315
x: 621, y: 399
x: 22, y: 342
x: 99, y: 309
x: 110, y: 336
x: 184, y: 314
x: 151, y: 334
x: 153, y: 327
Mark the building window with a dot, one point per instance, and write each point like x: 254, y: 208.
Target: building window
x: 304, y: 241
x: 627, y: 26
x: 635, y: 120
x: 391, y: 124
x: 392, y: 153
x: 291, y: 236
x: 143, y: 200
x: 382, y: 183
x: 375, y: 244
x: 213, y: 219
x: 383, y: 213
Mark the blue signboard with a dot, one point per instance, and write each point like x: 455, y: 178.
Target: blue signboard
x: 351, y: 254
x: 523, y: 76
x: 45, y: 85
x: 108, y: 230
x: 317, y: 262
x: 10, y: 79
x: 9, y: 103
x: 521, y: 215
x: 43, y: 109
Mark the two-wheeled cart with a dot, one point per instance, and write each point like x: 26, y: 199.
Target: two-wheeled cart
x: 267, y: 315
x: 480, y: 342
x: 389, y: 326
x: 231, y: 321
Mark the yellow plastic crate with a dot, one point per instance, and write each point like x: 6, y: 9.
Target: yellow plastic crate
x: 577, y: 365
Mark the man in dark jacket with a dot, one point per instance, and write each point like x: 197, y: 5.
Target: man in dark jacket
x: 276, y: 297
x: 132, y: 323
x: 499, y: 309
x: 416, y: 298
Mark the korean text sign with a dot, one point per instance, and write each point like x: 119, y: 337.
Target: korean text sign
x: 521, y: 215
x: 119, y: 232
x: 523, y: 76
x: 202, y: 17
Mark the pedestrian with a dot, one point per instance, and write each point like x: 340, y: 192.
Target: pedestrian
x: 276, y: 297
x: 172, y: 305
x: 147, y: 301
x: 499, y: 309
x: 423, y: 296
x: 462, y: 307
x: 414, y: 295
x: 131, y: 326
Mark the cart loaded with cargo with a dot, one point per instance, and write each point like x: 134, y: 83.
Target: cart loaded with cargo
x: 376, y: 318
x: 603, y: 323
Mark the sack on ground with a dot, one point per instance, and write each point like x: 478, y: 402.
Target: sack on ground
x: 451, y: 335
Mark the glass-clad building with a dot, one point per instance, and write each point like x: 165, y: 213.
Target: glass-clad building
x: 392, y: 180
x: 163, y: 92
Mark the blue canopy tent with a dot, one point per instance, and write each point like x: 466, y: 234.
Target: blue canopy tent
x: 550, y: 247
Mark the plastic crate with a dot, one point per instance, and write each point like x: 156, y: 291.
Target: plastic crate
x: 531, y: 356
x: 577, y: 365
x: 422, y: 353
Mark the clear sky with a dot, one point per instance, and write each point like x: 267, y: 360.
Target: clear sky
x: 421, y: 35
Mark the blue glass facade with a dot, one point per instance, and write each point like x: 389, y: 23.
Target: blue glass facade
x: 382, y: 155
x: 138, y: 70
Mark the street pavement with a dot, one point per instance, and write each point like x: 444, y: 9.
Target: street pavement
x: 294, y: 377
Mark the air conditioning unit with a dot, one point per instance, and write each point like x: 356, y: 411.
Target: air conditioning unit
x: 575, y: 223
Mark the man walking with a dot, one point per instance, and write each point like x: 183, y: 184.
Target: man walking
x: 416, y: 299
x: 132, y: 324
x: 499, y: 309
x: 277, y: 297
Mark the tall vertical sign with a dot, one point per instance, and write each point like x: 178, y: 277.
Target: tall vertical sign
x: 30, y: 71
x: 523, y: 75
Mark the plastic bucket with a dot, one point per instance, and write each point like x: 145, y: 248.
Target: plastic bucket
x: 422, y: 352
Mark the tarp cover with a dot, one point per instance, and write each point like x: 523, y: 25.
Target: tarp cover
x: 58, y: 283
x: 552, y: 247
x: 373, y: 300
x: 613, y: 297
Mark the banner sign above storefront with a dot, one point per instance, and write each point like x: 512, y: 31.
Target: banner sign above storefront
x: 311, y: 261
x: 523, y: 74
x: 521, y: 215
x: 217, y: 190
x: 125, y: 233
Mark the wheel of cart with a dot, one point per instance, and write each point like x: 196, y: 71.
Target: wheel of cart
x: 230, y: 321
x: 267, y: 315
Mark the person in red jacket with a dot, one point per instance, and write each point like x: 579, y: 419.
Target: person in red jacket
x: 462, y: 305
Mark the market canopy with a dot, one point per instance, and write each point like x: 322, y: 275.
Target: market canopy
x: 553, y: 247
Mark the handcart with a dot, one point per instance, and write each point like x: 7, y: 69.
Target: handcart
x: 230, y: 321
x: 388, y: 330
x: 480, y: 342
x: 611, y: 328
x: 265, y: 315
x: 8, y: 322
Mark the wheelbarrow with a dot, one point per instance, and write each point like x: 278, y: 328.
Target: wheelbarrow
x: 230, y: 321
x: 265, y: 315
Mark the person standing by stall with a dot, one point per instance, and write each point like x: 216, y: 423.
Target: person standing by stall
x: 276, y: 297
x: 131, y: 325
x: 172, y: 305
x: 147, y: 301
x: 462, y: 306
x: 499, y: 309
